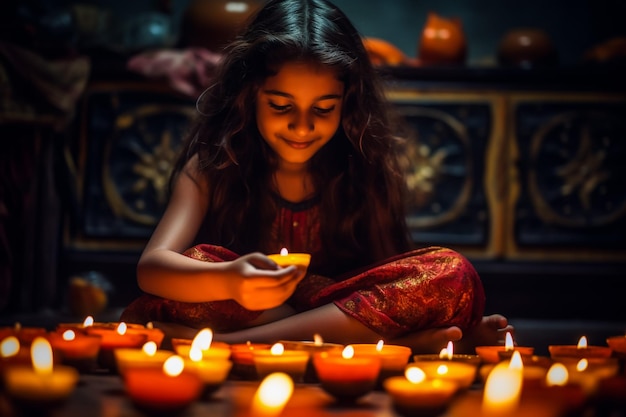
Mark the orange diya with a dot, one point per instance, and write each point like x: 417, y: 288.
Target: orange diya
x: 148, y: 356
x: 414, y: 394
x: 284, y: 259
x: 115, y: 338
x: 42, y: 385
x: 278, y: 359
x: 497, y: 353
x: 166, y: 390
x: 394, y: 358
x: 203, y: 340
x: 580, y: 350
x: 447, y: 353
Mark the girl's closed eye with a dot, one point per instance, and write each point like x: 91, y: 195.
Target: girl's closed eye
x: 324, y: 110
x: 279, y: 108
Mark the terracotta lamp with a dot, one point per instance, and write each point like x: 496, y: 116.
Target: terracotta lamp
x: 442, y: 41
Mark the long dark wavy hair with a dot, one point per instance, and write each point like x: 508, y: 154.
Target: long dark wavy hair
x: 361, y: 187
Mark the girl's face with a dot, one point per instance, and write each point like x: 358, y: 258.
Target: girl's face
x: 298, y: 110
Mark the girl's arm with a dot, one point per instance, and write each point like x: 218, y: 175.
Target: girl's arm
x: 253, y: 280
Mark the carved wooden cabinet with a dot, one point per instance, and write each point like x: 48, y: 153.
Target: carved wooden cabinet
x: 517, y: 175
x: 524, y: 178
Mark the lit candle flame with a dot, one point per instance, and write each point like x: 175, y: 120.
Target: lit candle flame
x: 121, y: 328
x: 284, y: 252
x: 10, y: 346
x: 442, y: 369
x: 173, y: 366
x: 516, y: 361
x: 414, y: 374
x: 347, y: 352
x: 508, y: 342
x: 277, y: 349
x: 149, y: 325
x: 582, y: 365
x: 450, y: 349
x: 88, y: 321
x: 195, y: 353
x: 317, y: 340
x: 17, y: 326
x: 443, y: 354
x: 582, y: 343
x: 557, y: 375
x: 41, y: 355
x: 203, y: 339
x: 69, y: 335
x: 149, y: 348
x: 502, y: 390
x: 379, y: 345
x: 272, y: 395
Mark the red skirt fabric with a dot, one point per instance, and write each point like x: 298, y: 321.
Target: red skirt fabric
x: 421, y: 289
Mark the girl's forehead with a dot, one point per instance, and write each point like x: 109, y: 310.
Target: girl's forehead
x: 304, y: 75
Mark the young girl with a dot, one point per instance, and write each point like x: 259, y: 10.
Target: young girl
x: 293, y: 148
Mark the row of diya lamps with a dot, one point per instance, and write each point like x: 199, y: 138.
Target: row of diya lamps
x: 41, y: 368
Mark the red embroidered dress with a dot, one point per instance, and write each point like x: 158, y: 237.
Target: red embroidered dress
x: 421, y: 289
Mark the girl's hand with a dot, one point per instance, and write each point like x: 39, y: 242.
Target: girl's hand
x: 257, y: 283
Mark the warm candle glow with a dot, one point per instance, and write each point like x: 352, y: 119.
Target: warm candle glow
x: 557, y: 375
x: 284, y: 252
x: 414, y: 374
x: 516, y: 361
x: 582, y: 343
x: 149, y: 348
x: 173, y: 366
x: 272, y: 395
x: 442, y: 369
x: 347, y: 352
x: 149, y: 325
x: 502, y: 390
x: 508, y: 342
x: 277, y: 349
x: 203, y: 339
x: 582, y: 365
x: 10, y: 346
x: 379, y: 345
x: 69, y: 335
x: 450, y: 349
x: 121, y: 328
x: 41, y: 355
x: 88, y: 321
x: 317, y: 340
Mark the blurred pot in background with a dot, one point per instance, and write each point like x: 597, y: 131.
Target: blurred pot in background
x: 212, y: 24
x: 527, y: 48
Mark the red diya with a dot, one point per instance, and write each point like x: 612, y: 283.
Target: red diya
x: 556, y: 388
x: 618, y: 344
x: 581, y: 350
x: 243, y: 360
x: 113, y: 338
x: 76, y: 349
x: 344, y: 376
x: 497, y: 353
x: 24, y: 334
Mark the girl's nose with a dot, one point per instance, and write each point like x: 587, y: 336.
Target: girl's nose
x: 301, y: 125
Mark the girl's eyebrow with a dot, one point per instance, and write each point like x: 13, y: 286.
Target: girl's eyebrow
x: 287, y: 95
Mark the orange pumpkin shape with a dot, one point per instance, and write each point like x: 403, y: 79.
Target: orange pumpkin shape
x: 442, y: 42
